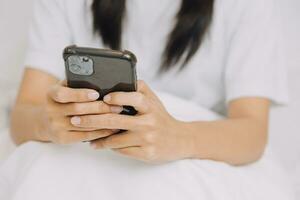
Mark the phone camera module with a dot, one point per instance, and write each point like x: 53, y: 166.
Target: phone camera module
x: 81, y: 65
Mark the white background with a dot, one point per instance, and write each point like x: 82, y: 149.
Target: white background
x: 285, y: 128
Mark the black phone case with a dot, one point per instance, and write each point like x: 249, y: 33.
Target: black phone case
x: 113, y: 71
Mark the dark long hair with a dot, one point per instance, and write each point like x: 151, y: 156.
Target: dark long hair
x: 192, y: 22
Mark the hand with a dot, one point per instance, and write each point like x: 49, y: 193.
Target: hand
x: 62, y: 104
x: 153, y: 135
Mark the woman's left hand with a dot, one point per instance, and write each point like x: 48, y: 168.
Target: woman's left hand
x: 153, y: 135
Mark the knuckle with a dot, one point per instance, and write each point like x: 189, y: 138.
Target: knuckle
x: 142, y: 87
x: 141, y: 83
x: 115, y: 96
x: 59, y: 95
x: 100, y: 106
x: 77, y: 108
x: 149, y: 138
x: 140, y: 99
x: 149, y: 122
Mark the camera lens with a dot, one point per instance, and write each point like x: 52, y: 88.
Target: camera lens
x: 75, y: 67
x: 85, y: 59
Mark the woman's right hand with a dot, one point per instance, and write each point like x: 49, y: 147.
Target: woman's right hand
x: 63, y: 103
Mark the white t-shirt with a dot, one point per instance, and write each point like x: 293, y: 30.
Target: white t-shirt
x: 241, y: 55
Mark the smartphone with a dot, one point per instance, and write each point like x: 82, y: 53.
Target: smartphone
x: 103, y: 70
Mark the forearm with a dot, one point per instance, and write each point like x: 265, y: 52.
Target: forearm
x: 28, y: 122
x: 234, y: 141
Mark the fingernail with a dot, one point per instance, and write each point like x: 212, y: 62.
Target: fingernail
x: 107, y: 98
x: 116, y: 109
x: 75, y: 120
x: 93, y: 95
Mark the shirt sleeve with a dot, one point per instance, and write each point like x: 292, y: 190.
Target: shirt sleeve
x: 49, y: 34
x: 255, y: 61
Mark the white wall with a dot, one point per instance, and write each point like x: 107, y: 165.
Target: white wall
x: 285, y: 129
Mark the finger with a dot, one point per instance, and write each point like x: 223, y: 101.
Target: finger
x: 132, y: 152
x: 136, y: 99
x: 71, y: 137
x: 64, y: 83
x: 63, y: 94
x: 105, y: 121
x: 121, y: 140
x: 95, y: 107
x: 63, y: 123
x: 94, y: 135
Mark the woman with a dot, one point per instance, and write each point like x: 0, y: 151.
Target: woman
x: 223, y: 55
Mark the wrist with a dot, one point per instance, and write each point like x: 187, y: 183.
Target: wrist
x: 198, y: 141
x: 41, y: 129
x: 188, y: 142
